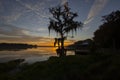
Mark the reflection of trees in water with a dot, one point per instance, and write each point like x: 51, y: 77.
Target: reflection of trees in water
x: 15, y: 46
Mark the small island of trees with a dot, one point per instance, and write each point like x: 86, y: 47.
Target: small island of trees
x: 15, y: 46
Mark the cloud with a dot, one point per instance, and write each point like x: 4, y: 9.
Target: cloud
x: 10, y: 11
x: 16, y: 9
x: 97, y: 6
x: 63, y: 1
x: 10, y: 18
x: 36, y: 40
x: 10, y: 33
x: 13, y: 31
x: 38, y: 8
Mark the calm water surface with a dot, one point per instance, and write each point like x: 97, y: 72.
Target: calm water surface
x: 30, y: 55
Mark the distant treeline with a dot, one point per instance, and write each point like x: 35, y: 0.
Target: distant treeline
x: 15, y: 46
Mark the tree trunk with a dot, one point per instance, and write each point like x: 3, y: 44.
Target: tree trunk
x: 63, y: 51
x: 62, y: 47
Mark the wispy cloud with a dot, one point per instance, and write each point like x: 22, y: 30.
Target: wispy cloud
x: 97, y: 6
x: 16, y: 8
x: 63, y: 1
x: 10, y: 33
x: 9, y: 30
x: 10, y: 12
x: 38, y: 8
x: 10, y: 18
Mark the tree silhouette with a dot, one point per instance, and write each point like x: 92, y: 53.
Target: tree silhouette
x: 62, y: 22
x: 108, y: 35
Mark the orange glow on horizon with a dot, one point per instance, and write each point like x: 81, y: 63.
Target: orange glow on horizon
x: 50, y: 43
x: 40, y: 43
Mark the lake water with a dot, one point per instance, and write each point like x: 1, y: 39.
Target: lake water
x: 30, y: 55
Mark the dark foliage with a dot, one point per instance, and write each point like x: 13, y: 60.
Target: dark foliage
x: 84, y: 67
x: 108, y: 35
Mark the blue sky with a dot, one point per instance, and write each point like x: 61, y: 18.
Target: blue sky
x: 28, y: 20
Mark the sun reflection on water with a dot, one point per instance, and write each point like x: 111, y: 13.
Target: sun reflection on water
x: 30, y: 55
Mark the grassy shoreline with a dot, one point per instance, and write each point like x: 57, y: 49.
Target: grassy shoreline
x: 77, y: 67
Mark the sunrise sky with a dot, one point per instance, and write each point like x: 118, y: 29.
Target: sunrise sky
x: 27, y: 21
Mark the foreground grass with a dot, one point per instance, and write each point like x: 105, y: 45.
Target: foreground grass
x: 79, y: 67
